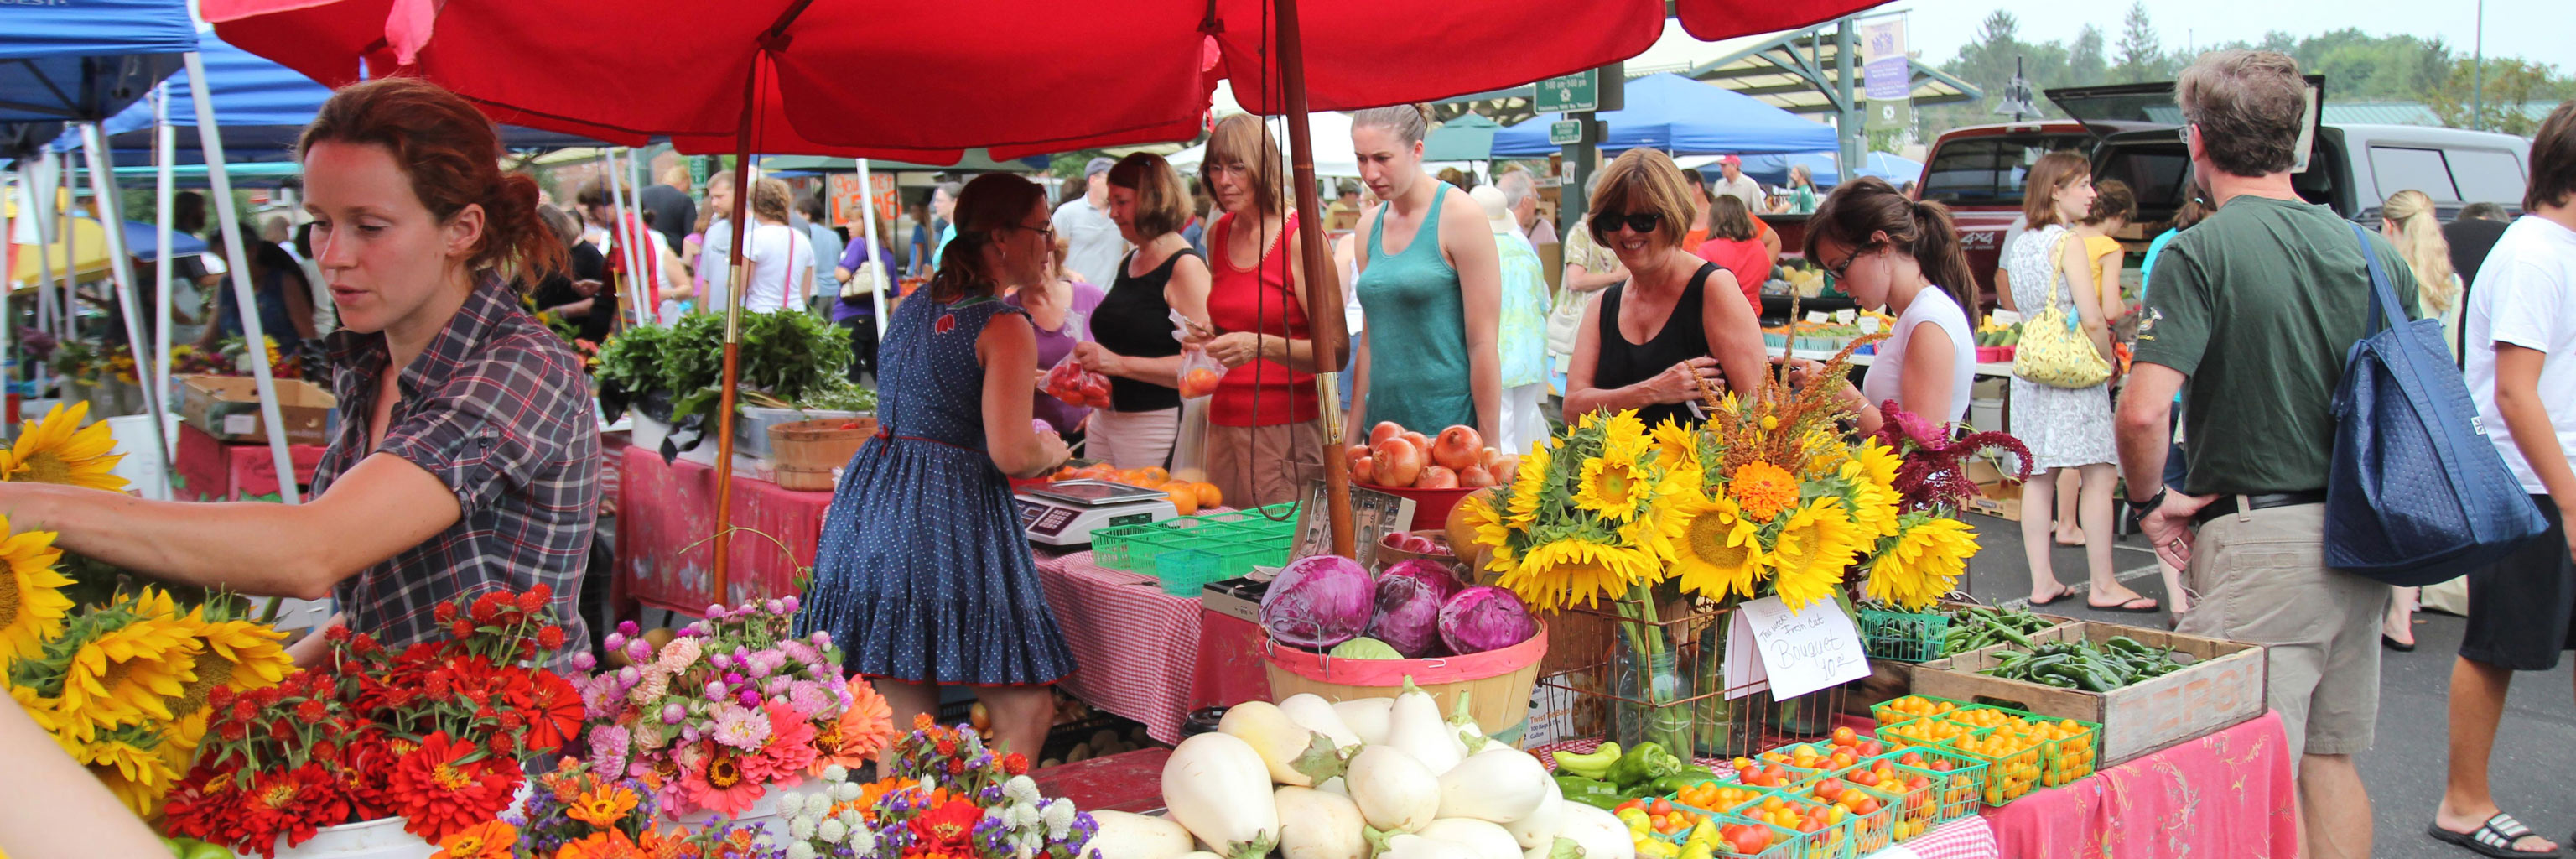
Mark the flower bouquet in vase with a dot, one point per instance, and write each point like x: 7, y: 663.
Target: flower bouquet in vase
x: 732, y: 706
x: 431, y: 737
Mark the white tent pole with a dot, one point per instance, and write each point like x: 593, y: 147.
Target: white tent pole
x: 9, y: 338
x: 254, y: 339
x: 42, y: 193
x: 164, y: 152
x: 120, y: 268
x: 617, y: 225
x: 868, y: 210
x: 646, y: 286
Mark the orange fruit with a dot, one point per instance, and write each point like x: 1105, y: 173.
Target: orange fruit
x: 1208, y: 495
x: 1183, y: 498
x: 1153, y: 475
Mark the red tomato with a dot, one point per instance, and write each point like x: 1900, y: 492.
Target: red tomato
x: 1751, y: 840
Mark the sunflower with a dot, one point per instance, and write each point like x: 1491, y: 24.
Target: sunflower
x: 1764, y: 490
x: 129, y: 760
x: 1491, y: 532
x: 1613, y: 487
x: 1527, y: 488
x: 1561, y: 573
x: 47, y: 713
x: 1813, y: 549
x: 240, y: 654
x: 1926, y: 562
x: 1715, y: 550
x: 32, y: 604
x: 124, y: 673
x: 1675, y: 446
x: 1623, y: 435
x: 59, y: 450
x: 1829, y: 452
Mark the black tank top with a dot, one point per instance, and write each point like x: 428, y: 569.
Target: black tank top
x: 1622, y: 363
x: 1134, y: 320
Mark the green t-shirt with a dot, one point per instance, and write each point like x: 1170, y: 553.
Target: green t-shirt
x: 2259, y: 305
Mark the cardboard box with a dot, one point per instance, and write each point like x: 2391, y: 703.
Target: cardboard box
x: 227, y: 407
x: 2224, y: 685
x: 1996, y: 496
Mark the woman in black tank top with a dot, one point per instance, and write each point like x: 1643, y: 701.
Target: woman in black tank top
x: 1647, y: 343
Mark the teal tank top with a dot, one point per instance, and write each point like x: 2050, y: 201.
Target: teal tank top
x: 1417, y: 332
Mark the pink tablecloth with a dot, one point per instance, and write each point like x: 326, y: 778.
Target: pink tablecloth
x: 2226, y: 794
x: 1136, y: 648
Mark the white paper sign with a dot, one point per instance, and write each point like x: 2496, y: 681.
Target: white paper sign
x: 1845, y: 315
x: 1819, y: 317
x: 1869, y: 325
x: 1800, y: 652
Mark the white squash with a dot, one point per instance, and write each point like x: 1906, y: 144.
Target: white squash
x: 1418, y: 847
x: 1318, y: 825
x: 1540, y: 827
x: 1216, y: 786
x: 1366, y: 717
x: 1598, y: 833
x: 1289, y: 750
x: 1194, y: 854
x: 1501, y: 785
x: 1312, y: 712
x: 1394, y: 792
x: 1414, y: 726
x: 1560, y: 848
x: 1138, y: 836
x: 1486, y: 840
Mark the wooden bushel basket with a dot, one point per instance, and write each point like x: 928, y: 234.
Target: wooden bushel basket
x: 1498, y: 682
x: 807, y: 451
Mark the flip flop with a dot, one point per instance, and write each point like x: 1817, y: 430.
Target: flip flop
x: 2493, y: 838
x: 2062, y: 593
x: 2131, y: 606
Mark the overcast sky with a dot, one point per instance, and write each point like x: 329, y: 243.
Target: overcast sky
x: 2538, y: 30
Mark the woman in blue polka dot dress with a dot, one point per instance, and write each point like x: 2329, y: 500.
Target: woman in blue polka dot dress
x: 923, y: 577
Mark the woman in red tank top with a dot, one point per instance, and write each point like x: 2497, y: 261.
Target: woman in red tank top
x: 1264, y: 439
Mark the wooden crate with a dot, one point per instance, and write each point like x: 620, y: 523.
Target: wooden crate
x: 2223, y: 687
x: 1890, y: 679
x: 227, y: 407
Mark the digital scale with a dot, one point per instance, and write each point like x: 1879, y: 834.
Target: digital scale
x: 1065, y: 513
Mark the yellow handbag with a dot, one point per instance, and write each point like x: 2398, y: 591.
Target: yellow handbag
x: 2053, y: 349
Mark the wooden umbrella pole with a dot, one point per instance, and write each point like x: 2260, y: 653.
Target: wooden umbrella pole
x: 1323, y: 280
x: 734, y: 288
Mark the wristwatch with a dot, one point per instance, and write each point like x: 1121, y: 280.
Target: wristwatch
x: 2138, y: 510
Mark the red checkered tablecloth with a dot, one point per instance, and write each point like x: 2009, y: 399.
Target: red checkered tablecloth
x: 1136, y: 648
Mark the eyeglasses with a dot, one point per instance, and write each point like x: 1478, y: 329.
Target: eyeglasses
x: 1048, y: 231
x: 1605, y: 223
x: 1840, y: 268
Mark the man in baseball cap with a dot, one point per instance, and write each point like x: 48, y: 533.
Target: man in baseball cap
x: 1094, y: 246
x: 1733, y: 181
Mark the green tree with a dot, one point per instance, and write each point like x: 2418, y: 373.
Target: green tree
x: 2510, y: 82
x: 2141, y: 53
x: 2086, y: 63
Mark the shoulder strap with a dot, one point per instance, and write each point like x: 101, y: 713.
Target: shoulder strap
x: 2383, y: 298
x: 1699, y: 279
x: 2056, y: 266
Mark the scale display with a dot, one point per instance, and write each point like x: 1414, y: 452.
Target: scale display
x: 1065, y: 514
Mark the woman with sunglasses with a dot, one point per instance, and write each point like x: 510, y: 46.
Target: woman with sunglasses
x: 1648, y: 344
x: 1431, y: 285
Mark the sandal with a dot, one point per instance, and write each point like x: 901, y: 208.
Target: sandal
x: 2062, y: 593
x: 2131, y: 605
x: 2493, y: 838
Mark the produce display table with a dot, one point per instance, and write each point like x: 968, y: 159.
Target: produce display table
x: 2226, y: 794
x: 667, y: 511
x: 213, y: 470
x: 1127, y: 781
x: 1145, y: 654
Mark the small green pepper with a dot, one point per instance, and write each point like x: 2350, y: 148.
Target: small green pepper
x: 1593, y: 792
x: 1595, y: 765
x: 1643, y: 764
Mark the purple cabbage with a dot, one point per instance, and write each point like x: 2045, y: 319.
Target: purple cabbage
x: 1409, y: 596
x: 1318, y: 601
x: 1485, y: 618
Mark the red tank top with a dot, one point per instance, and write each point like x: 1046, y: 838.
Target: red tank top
x: 1257, y: 299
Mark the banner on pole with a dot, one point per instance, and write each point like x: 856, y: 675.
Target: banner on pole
x: 1887, y: 71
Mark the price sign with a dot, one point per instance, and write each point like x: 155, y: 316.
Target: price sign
x: 1789, y: 652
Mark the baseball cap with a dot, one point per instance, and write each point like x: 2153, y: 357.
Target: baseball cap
x: 1098, y: 166
x: 1730, y: 159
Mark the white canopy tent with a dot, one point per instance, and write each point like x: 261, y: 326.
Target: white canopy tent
x: 1333, y: 155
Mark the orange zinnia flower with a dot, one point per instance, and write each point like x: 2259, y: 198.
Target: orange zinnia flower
x: 491, y: 839
x: 603, y: 806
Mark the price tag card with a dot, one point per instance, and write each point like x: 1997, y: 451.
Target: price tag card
x: 1869, y: 325
x: 1819, y: 317
x: 1846, y: 315
x: 1798, y: 651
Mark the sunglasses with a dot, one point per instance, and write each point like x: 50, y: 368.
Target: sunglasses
x: 1605, y: 223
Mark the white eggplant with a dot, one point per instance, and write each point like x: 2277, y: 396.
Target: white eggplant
x: 1598, y: 833
x: 1312, y: 712
x: 1502, y: 785
x: 1414, y: 726
x: 1394, y: 792
x: 1216, y: 786
x: 1418, y: 847
x: 1136, y: 836
x: 1366, y: 717
x: 1486, y: 840
x: 1318, y: 825
x: 1540, y: 827
x: 1293, y: 754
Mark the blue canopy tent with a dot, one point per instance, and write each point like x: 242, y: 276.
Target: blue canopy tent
x: 142, y: 241
x: 1683, y: 117
x: 1774, y: 169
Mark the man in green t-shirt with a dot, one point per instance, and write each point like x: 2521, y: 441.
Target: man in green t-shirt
x: 2258, y: 307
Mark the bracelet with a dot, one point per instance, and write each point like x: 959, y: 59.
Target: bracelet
x: 2138, y: 510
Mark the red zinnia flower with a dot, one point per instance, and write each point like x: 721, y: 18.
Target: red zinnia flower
x: 555, y: 715
x: 947, y: 825
x: 441, y: 793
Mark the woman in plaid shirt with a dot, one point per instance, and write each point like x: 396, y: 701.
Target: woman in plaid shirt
x: 467, y: 458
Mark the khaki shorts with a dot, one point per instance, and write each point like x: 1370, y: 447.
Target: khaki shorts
x: 1258, y: 466
x: 2262, y: 579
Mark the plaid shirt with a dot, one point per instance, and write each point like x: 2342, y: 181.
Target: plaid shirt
x: 495, y: 408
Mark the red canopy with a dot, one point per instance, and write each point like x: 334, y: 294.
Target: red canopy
x: 922, y: 82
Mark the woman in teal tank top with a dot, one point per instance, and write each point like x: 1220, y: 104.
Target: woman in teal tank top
x: 1428, y: 359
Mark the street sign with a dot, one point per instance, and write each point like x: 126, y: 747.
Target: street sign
x: 1565, y: 133
x: 1572, y: 93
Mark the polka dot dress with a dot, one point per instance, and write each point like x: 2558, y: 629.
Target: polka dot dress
x: 923, y: 574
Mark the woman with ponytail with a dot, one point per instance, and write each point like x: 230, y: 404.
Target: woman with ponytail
x: 2409, y: 222
x: 923, y: 575
x: 466, y: 459
x: 1900, y: 257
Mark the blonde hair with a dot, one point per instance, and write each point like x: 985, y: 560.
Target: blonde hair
x: 1645, y: 181
x: 1409, y: 121
x: 2419, y: 240
x: 770, y: 200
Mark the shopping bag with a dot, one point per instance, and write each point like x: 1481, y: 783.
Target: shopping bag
x: 2053, y: 349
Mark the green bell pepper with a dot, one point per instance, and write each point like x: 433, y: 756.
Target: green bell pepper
x: 1593, y: 792
x: 1643, y: 764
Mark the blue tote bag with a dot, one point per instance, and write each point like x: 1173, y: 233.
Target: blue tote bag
x: 2417, y: 494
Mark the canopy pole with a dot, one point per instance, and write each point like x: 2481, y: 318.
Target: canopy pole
x: 9, y: 337
x: 617, y: 212
x: 735, y: 285
x: 165, y: 150
x: 648, y: 282
x: 1323, y: 280
x: 44, y: 191
x: 254, y: 337
x: 120, y: 267
x: 868, y: 217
